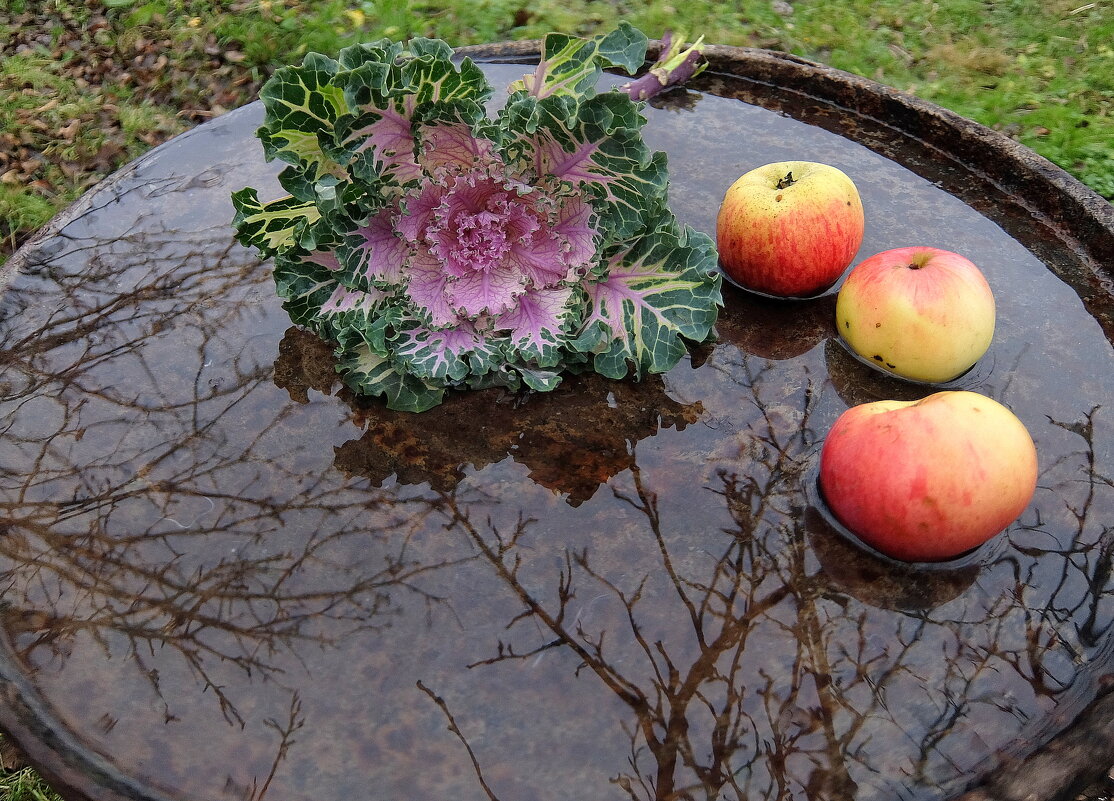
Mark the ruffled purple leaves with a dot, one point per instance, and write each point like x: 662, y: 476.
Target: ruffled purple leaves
x: 441, y: 249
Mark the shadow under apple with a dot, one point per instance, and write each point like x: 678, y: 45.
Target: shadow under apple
x: 774, y: 328
x: 881, y: 582
x: 857, y: 382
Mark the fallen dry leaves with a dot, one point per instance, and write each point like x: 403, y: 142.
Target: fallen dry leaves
x: 87, y: 92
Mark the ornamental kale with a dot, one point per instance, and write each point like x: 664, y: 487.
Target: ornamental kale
x: 440, y: 248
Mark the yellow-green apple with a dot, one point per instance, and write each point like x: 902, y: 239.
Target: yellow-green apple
x: 917, y: 312
x: 927, y: 480
x: 789, y: 228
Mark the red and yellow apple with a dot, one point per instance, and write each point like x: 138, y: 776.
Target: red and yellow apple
x: 917, y: 312
x: 927, y: 480
x: 789, y: 228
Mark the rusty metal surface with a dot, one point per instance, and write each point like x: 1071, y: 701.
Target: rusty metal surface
x: 225, y: 577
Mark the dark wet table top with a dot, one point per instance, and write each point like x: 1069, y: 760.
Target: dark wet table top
x: 226, y: 578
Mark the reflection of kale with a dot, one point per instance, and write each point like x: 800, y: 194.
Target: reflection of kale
x: 573, y: 439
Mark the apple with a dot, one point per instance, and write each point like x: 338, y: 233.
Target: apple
x: 926, y: 480
x: 789, y: 228
x: 917, y: 312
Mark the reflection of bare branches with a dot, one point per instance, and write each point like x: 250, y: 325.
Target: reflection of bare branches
x: 507, y: 567
x: 236, y: 611
x: 663, y: 711
x: 117, y: 470
x: 460, y: 736
x: 286, y: 732
x: 715, y: 716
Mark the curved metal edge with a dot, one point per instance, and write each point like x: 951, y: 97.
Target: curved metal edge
x: 1061, y: 768
x: 70, y: 768
x: 21, y: 259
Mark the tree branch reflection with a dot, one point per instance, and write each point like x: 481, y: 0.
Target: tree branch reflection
x: 806, y: 667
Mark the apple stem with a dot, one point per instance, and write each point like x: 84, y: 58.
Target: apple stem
x: 913, y: 266
x: 787, y: 181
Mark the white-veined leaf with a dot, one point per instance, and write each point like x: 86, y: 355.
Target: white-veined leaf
x: 369, y: 373
x: 447, y: 354
x: 538, y: 325
x: 571, y: 65
x: 271, y: 227
x: 599, y: 150
x: 655, y: 292
x: 306, y: 282
x: 302, y: 107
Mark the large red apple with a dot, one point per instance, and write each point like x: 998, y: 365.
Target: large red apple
x: 927, y: 480
x: 917, y: 312
x: 790, y: 228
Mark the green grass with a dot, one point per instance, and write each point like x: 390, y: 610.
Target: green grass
x: 24, y: 784
x: 1041, y: 71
